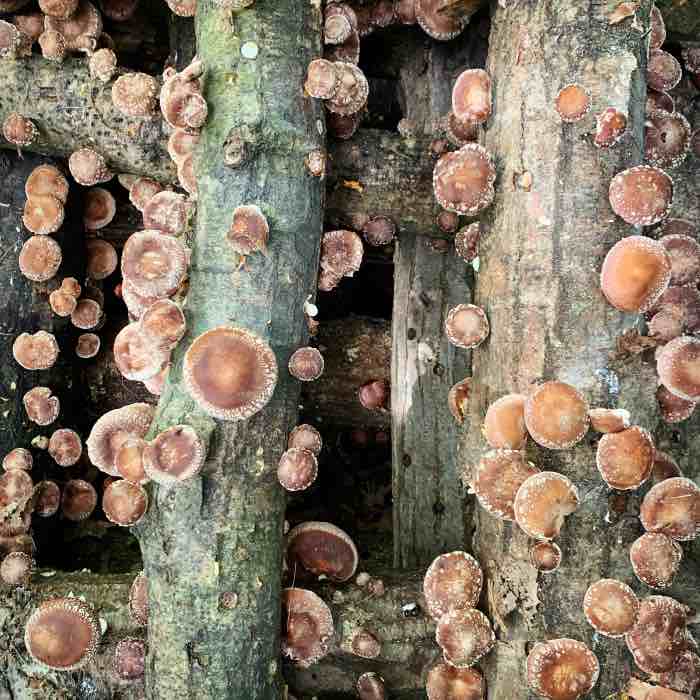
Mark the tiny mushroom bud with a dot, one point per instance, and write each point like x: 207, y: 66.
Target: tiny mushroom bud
x: 659, y: 635
x: 306, y: 364
x: 65, y: 446
x: 370, y: 686
x: 545, y: 556
x: 609, y: 420
x: 611, y: 607
x: 463, y: 180
x: 436, y: 22
x: 249, y: 230
x: 138, y: 600
x: 504, y: 424
x: 457, y: 399
x: 464, y: 635
x: 62, y: 303
x: 163, y: 324
x: 471, y: 96
x: 379, y: 230
x: 125, y: 503
x: 610, y: 128
x: 38, y: 351
x: 42, y: 408
x: 572, y: 103
x: 497, y: 478
x: 655, y: 558
x: 166, y: 212
x: 664, y: 71
x: 625, y: 459
x: 78, y: 500
x: 99, y: 209
x: 88, y: 167
x: 16, y: 569
x: 666, y: 139
x: 452, y: 582
x: 62, y: 633
x: 129, y: 460
x: 87, y: 346
x: 307, y: 437
x: 322, y: 549
x: 542, y: 503
x: 673, y: 409
x: 297, y: 469
x: 678, y: 367
x: 556, y: 415
x: 641, y: 195
x: 48, y: 499
x: 445, y: 682
x: 366, y: 645
x: 142, y: 190
x: 135, y: 94
x: 672, y: 507
x: 130, y: 659
x: 18, y: 130
x: 230, y: 372
x: 40, y: 258
x: 53, y: 45
x: 374, y: 395
x: 307, y: 626
x: 103, y: 65
x: 466, y: 326
x: 19, y: 458
x: 562, y: 669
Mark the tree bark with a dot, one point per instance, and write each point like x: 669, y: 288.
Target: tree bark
x: 539, y: 284
x: 222, y: 531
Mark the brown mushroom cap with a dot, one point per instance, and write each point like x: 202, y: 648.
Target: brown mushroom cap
x: 16, y: 488
x: 43, y: 214
x: 306, y: 437
x: 181, y: 102
x: 81, y: 30
x: 352, y: 89
x: 129, y: 458
x: 102, y: 259
x: 37, y: 351
x: 47, y: 180
x: 130, y: 658
x: 467, y: 241
x: 497, y: 478
x: 62, y: 633
x: 609, y: 420
x: 138, y: 599
x: 673, y: 409
x: 65, y: 447
x: 672, y: 507
x: 452, y: 582
x: 167, y: 212
x: 610, y: 127
x: 103, y: 64
x: 142, y: 190
x: 19, y: 458
x: 625, y: 459
x: 684, y: 254
x: 321, y: 79
x: 556, y: 415
x: 370, y: 686
x: 88, y: 167
x: 681, y: 301
x: 641, y: 195
x: 659, y: 101
x: 78, y: 500
x: 86, y: 315
x: 40, y: 258
x: 664, y: 71
x: 53, y: 45
x: 154, y: 264
x: 658, y: 28
x: 466, y: 326
x: 572, y: 103
x: 16, y: 569
x: 457, y: 399
x: 678, y: 367
x: 71, y: 286
x: 297, y: 469
x: 249, y: 230
x: 666, y: 139
x: 471, y: 96
x: 437, y: 23
x: 445, y: 682
x: 125, y: 503
x: 655, y: 558
x: 136, y: 303
x: 611, y: 607
x: 464, y: 635
x: 180, y: 145
x: 19, y: 130
x: 685, y: 674
x: 343, y: 126
x: 99, y: 209
x: 447, y: 221
x: 163, y: 324
x: 230, y: 372
x: 463, y: 180
x: 545, y: 556
x: 659, y: 635
x: 542, y: 503
x: 373, y: 395
x: 341, y: 253
x: 504, y: 424
x: 175, y: 455
x: 135, y: 94
x: 61, y: 9
x: 307, y: 626
x: 379, y: 230
x: 460, y: 132
x: 62, y: 303
x: 365, y: 644
x: 562, y: 669
x: 48, y: 499
x: 112, y: 430
x: 665, y: 467
x: 306, y: 364
x: 322, y: 549
x: 87, y: 345
x: 638, y: 690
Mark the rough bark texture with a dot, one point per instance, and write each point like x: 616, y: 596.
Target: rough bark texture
x: 222, y: 531
x: 538, y: 281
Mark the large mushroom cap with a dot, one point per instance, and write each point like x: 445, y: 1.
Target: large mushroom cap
x: 62, y: 633
x: 230, y: 372
x: 556, y: 415
x: 125, y: 503
x: 453, y: 581
x: 166, y: 211
x: 463, y: 180
x: 504, y: 424
x: 322, y: 549
x: 341, y: 253
x: 176, y: 454
x: 562, y: 669
x: 445, y: 682
x: 307, y: 626
x: 672, y: 507
x: 43, y: 214
x: 497, y: 478
x: 625, y: 459
x: 464, y: 635
x: 471, y: 96
x: 655, y: 558
x: 611, y: 607
x: 678, y: 367
x: 664, y: 71
x: 660, y: 634
x: 641, y: 195
x: 19, y: 458
x: 352, y: 90
x: 542, y: 503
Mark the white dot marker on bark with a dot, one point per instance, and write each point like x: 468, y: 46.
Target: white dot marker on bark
x: 249, y: 50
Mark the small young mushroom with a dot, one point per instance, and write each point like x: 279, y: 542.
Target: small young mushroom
x: 341, y: 253
x: 684, y: 254
x: 545, y: 556
x: 306, y: 364
x: 463, y: 180
x: 610, y: 128
x: 86, y: 315
x: 370, y: 686
x: 135, y: 94
x: 87, y: 345
x: 322, y: 549
x: 16, y: 569
x: 460, y: 132
x: 134, y: 354
x: 471, y: 96
x: 306, y: 437
x: 125, y: 503
x: 40, y: 258
x: 464, y: 635
x: 504, y: 424
x: 163, y: 324
x: 609, y: 420
x: 129, y: 460
x: 18, y: 130
x: 42, y: 408
x: 307, y: 626
x: 562, y: 669
x: 81, y: 29
x: 99, y: 209
x: 365, y: 644
x: 452, y: 582
x: 88, y: 167
x: 673, y: 409
x: 542, y: 503
x: 43, y: 214
x: 297, y: 469
x: 467, y: 241
x: 641, y: 195
x: 352, y: 90
x: 129, y: 661
x: 466, y: 326
x: 379, y: 230
x: 666, y: 139
x: 447, y: 221
x: 635, y: 273
x: 165, y: 211
x: 445, y: 682
x: 457, y: 399
x: 175, y: 455
x: 664, y: 71
x: 497, y: 478
x: 37, y: 351
x: 655, y: 559
x: 572, y: 103
x: 665, y: 467
x: 19, y: 458
x: 672, y: 507
x: 678, y: 367
x: 103, y: 65
x: 48, y: 499
x: 61, y: 9
x: 78, y: 500
x: 65, y: 447
x: 53, y: 46
x: 230, y: 372
x: 142, y: 190
x: 138, y: 599
x: 556, y: 415
x: 438, y: 23
x: 321, y: 79
x: 611, y: 607
x: 625, y: 459
x: 659, y: 101
x: 62, y: 633
x: 374, y: 395
x: 47, y: 180
x: 249, y: 230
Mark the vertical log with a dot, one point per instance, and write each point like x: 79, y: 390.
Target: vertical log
x: 538, y: 281
x: 222, y: 531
